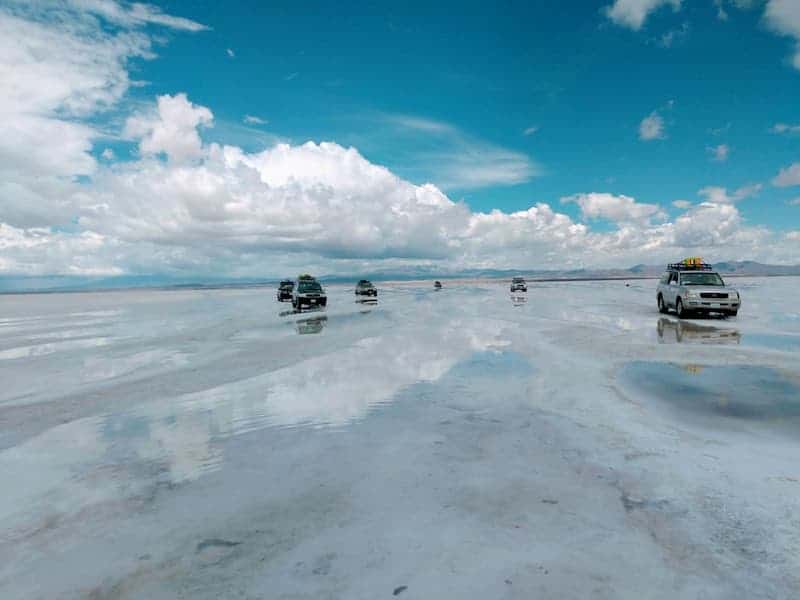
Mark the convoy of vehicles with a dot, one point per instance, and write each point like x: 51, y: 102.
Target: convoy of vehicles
x: 693, y: 287
x: 689, y: 287
x: 365, y: 288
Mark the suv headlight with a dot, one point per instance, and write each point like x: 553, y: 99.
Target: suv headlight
x: 692, y: 294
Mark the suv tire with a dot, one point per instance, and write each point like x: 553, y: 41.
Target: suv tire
x: 679, y: 310
x: 662, y: 307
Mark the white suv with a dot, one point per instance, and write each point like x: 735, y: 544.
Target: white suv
x: 696, y: 288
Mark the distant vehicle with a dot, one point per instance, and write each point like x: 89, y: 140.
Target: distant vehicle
x: 365, y: 288
x: 285, y: 289
x: 308, y: 293
x: 437, y: 285
x: 518, y: 285
x: 692, y: 287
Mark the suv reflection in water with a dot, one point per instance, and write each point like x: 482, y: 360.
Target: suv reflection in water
x: 312, y: 325
x: 671, y: 331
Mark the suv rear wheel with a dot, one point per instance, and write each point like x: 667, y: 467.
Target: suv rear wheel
x: 662, y: 308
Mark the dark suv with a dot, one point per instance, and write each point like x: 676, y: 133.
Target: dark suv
x: 308, y: 293
x: 365, y: 288
x: 518, y: 285
x: 285, y: 289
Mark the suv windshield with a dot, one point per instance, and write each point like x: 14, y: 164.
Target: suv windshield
x: 309, y: 286
x: 701, y: 279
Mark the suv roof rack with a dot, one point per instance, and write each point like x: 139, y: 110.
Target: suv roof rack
x: 689, y: 267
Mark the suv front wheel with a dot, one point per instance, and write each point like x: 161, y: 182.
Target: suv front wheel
x: 681, y: 312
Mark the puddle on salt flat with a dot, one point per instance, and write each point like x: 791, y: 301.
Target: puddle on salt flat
x: 496, y: 364
x: 720, y: 395
x: 774, y: 341
x: 674, y: 331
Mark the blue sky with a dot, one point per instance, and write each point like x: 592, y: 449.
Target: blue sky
x: 602, y: 131
x: 318, y: 71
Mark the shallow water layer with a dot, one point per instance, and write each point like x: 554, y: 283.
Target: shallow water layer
x: 466, y: 443
x: 720, y: 393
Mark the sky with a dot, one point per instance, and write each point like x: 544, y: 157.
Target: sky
x: 208, y: 139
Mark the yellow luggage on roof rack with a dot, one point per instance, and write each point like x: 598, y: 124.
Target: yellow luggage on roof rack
x: 694, y: 261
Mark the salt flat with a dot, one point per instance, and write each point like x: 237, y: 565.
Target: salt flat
x: 568, y: 443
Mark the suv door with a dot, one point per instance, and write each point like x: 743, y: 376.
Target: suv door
x: 671, y: 294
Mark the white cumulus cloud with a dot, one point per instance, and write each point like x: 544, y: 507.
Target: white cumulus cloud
x: 171, y: 129
x: 720, y: 195
x: 633, y: 13
x: 720, y: 153
x: 325, y: 207
x: 62, y: 64
x: 652, y: 127
x: 783, y: 17
x: 620, y: 209
x: 785, y: 128
x: 788, y: 176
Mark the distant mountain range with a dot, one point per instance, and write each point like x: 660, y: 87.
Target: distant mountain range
x: 17, y: 284
x: 736, y: 268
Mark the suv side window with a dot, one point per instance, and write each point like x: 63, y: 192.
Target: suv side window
x: 665, y: 278
x: 673, y: 277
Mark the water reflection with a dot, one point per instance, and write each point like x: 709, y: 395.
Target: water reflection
x: 311, y: 326
x: 294, y: 311
x: 34, y: 350
x: 721, y: 395
x: 175, y: 439
x: 671, y: 331
x: 518, y: 299
x: 774, y: 341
